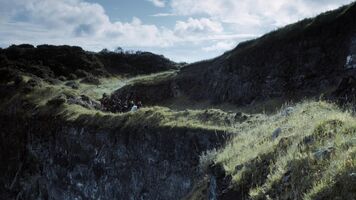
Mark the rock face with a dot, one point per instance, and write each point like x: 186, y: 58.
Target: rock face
x: 351, y: 58
x: 52, y: 160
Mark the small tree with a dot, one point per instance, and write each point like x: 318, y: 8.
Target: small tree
x: 119, y: 50
x: 104, y: 51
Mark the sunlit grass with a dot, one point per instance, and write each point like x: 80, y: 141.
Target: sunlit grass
x: 291, y: 153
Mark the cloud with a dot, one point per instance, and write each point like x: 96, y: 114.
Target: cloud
x: 163, y: 15
x: 158, y: 3
x: 79, y: 23
x: 220, y: 46
x: 207, y: 26
x: 254, y: 14
x: 198, y: 26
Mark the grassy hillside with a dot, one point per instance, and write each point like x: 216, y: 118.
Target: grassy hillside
x: 300, y: 60
x: 305, y: 152
x: 60, y: 63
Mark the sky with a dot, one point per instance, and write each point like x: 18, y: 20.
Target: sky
x: 182, y: 30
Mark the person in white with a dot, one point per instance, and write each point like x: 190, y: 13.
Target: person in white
x: 134, y: 108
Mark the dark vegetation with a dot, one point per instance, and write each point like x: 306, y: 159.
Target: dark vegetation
x: 69, y: 62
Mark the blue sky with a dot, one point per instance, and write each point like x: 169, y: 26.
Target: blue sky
x: 182, y: 30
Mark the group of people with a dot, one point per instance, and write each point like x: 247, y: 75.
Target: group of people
x: 115, y: 104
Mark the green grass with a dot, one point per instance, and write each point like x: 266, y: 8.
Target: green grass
x: 208, y: 119
x: 266, y: 162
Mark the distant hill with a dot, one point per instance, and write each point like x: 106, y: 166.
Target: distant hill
x: 71, y: 62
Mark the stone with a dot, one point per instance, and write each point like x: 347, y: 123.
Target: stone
x: 276, y: 133
x: 287, y: 111
x: 238, y: 167
x: 308, y: 140
x: 84, y: 101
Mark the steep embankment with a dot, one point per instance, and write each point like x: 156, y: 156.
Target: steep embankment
x: 56, y: 144
x: 47, y: 158
x: 303, y: 152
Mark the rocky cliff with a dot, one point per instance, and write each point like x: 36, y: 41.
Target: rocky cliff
x: 48, y: 158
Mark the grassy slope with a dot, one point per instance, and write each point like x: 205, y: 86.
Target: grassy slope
x: 288, y: 167
x: 210, y: 119
x: 285, y: 168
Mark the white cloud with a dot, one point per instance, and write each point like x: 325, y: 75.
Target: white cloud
x: 254, y: 14
x: 158, y: 3
x: 220, y: 46
x: 198, y: 26
x: 163, y: 15
x: 209, y: 26
x: 79, y: 23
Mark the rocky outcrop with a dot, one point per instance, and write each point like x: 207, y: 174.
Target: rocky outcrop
x: 48, y: 159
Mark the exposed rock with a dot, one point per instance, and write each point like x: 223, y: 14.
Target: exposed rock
x: 64, y: 161
x: 287, y: 111
x: 238, y: 167
x: 85, y: 102
x: 276, y: 133
x: 72, y: 84
x: 240, y: 117
x: 308, y: 140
